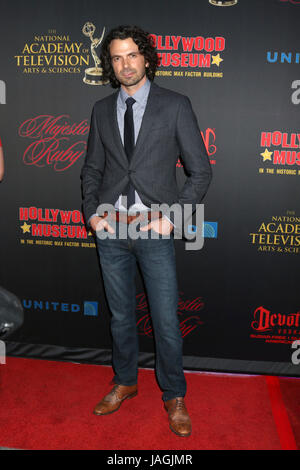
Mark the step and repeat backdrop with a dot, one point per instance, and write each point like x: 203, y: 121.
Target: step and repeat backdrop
x: 238, y: 61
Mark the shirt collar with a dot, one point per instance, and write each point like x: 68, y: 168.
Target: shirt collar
x: 140, y: 95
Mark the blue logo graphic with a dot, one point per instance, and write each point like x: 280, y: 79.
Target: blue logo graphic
x: 210, y: 229
x: 51, y: 306
x: 90, y: 308
x: 283, y: 57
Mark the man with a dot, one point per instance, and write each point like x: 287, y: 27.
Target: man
x: 135, y: 139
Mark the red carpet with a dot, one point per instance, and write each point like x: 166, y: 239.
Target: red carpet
x: 48, y: 405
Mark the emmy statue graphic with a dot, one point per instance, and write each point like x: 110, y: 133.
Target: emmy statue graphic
x: 93, y: 75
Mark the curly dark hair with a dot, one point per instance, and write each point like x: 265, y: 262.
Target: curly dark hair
x: 146, y: 47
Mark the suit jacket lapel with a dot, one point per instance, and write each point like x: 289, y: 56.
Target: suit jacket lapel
x: 150, y: 114
x: 112, y: 113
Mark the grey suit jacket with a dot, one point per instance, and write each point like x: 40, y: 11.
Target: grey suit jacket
x: 169, y: 129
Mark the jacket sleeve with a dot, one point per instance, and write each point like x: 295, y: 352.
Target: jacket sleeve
x: 92, y: 170
x: 194, y: 156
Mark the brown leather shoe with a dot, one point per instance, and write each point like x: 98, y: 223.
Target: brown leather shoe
x: 114, y: 399
x: 179, y: 419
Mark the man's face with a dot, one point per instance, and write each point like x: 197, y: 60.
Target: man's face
x: 128, y: 63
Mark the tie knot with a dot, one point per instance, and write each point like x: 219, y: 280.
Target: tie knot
x: 130, y: 101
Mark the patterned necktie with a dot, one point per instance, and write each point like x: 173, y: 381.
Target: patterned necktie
x: 129, y: 146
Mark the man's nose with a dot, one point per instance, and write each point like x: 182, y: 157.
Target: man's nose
x: 125, y: 62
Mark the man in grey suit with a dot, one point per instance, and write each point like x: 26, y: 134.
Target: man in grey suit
x: 136, y: 137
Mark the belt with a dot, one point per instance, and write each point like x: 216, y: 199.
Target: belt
x: 128, y: 219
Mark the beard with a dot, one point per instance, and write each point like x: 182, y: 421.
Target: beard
x: 133, y: 80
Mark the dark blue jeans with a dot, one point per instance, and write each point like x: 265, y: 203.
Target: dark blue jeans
x: 156, y: 258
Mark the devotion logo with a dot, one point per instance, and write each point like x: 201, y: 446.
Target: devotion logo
x: 275, y: 327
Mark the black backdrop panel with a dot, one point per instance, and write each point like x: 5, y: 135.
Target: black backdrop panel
x: 239, y: 297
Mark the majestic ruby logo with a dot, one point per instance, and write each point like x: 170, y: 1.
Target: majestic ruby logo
x: 188, y: 312
x: 56, y: 141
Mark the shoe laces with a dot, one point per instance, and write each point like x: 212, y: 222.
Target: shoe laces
x: 180, y: 404
x: 115, y: 390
